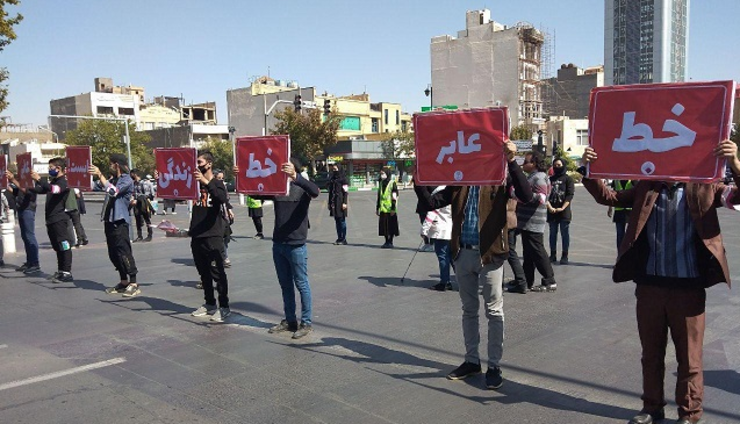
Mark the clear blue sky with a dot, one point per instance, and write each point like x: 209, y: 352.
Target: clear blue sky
x: 203, y: 48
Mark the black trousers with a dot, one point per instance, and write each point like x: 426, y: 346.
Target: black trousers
x: 78, y: 228
x: 59, y: 237
x: 142, y: 218
x: 535, y: 256
x: 257, y: 220
x: 208, y: 251
x: 514, y: 262
x: 119, y: 250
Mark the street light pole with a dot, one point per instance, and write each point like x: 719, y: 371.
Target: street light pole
x: 429, y: 92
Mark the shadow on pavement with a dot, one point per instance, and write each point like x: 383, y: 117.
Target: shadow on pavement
x: 395, y: 281
x: 582, y: 264
x: 727, y: 380
x: 183, y: 261
x: 179, y: 283
x: 350, y: 244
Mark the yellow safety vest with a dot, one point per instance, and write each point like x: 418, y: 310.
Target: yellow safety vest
x: 253, y: 203
x: 386, y: 202
x: 618, y: 187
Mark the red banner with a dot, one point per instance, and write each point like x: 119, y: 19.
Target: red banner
x: 461, y: 147
x: 25, y: 166
x: 79, y: 159
x: 259, y: 160
x: 660, y: 131
x: 3, y: 169
x: 175, y: 167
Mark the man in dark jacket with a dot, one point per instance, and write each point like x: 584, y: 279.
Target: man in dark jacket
x: 673, y: 251
x: 116, y: 222
x: 141, y: 202
x: 207, y: 228
x: 479, y: 249
x: 338, y: 196
x: 57, y: 221
x: 289, y: 251
x: 25, y: 201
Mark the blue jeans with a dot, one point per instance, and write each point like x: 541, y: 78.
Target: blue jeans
x: 291, y: 265
x: 621, y: 229
x: 565, y: 231
x: 27, y: 222
x: 341, y: 224
x: 442, y: 249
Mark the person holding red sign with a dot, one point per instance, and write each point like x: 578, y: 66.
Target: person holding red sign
x: 207, y: 229
x: 479, y: 248
x: 673, y: 251
x: 25, y: 201
x: 57, y: 221
x: 117, y: 220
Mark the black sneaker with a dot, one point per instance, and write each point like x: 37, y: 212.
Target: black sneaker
x: 54, y: 275
x: 645, y: 417
x: 22, y: 268
x: 302, y: 330
x: 138, y: 239
x: 148, y: 238
x: 494, y: 378
x: 448, y: 286
x: 32, y: 269
x: 259, y: 236
x: 564, y: 260
x: 517, y: 289
x: 283, y: 326
x: 118, y: 289
x: 464, y: 371
x: 440, y: 287
x: 63, y: 277
x: 85, y: 242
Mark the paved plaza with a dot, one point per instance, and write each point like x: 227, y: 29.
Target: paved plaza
x: 70, y: 353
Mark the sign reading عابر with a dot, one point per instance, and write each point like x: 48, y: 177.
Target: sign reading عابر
x: 79, y: 159
x: 25, y: 166
x: 661, y: 132
x: 461, y: 147
x: 260, y: 160
x: 175, y: 167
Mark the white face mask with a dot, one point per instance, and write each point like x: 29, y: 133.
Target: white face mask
x: 383, y: 176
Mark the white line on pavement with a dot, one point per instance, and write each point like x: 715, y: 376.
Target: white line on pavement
x: 3, y: 346
x: 37, y: 379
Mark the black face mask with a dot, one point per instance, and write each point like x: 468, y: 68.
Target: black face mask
x: 203, y: 169
x: 559, y: 171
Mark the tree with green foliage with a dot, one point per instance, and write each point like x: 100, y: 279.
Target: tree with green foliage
x: 107, y: 137
x: 310, y: 132
x: 7, y: 35
x: 223, y: 155
x: 399, y: 145
x: 520, y: 133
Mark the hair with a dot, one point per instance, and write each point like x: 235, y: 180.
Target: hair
x: 218, y: 171
x: 135, y: 172
x: 58, y: 161
x: 538, y: 161
x: 120, y: 160
x: 558, y: 159
x: 296, y: 163
x: 207, y: 155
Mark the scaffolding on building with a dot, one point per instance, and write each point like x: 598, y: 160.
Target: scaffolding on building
x: 530, y: 71
x: 547, y: 70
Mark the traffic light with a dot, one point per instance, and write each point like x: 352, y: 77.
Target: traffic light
x: 297, y: 102
x: 327, y: 106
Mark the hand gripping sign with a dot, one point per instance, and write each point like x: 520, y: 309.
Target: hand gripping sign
x: 3, y: 169
x: 79, y: 159
x: 259, y: 160
x: 175, y: 167
x: 25, y: 166
x: 461, y: 147
x: 660, y: 131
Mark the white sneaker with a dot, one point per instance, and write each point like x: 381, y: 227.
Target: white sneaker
x: 204, y: 310
x: 221, y: 314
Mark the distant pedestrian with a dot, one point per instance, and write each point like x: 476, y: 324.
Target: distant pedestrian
x: 116, y: 222
x: 437, y: 228
x: 141, y: 203
x: 519, y: 281
x: 227, y: 213
x: 559, y: 212
x: 25, y: 201
x: 57, y: 221
x: 385, y: 208
x: 71, y: 207
x: 620, y: 215
x: 422, y: 209
x: 256, y: 213
x: 338, y: 197
x: 5, y: 214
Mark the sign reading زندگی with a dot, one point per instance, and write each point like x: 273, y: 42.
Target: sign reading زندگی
x: 175, y: 167
x: 462, y: 147
x: 260, y: 160
x: 79, y: 159
x: 25, y: 166
x: 663, y: 132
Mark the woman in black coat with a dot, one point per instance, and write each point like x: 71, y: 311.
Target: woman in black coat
x: 558, y: 209
x: 338, y: 196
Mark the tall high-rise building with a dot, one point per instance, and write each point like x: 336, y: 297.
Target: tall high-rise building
x: 645, y: 41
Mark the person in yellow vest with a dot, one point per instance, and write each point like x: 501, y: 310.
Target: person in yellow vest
x: 255, y: 212
x: 620, y: 216
x: 386, y: 208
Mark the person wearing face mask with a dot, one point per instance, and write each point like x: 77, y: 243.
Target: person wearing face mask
x: 207, y: 228
x: 57, y: 220
x: 338, y: 195
x: 558, y: 210
x: 116, y: 221
x: 386, y: 208
x: 26, y: 206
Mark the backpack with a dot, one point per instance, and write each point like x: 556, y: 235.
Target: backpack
x: 557, y: 194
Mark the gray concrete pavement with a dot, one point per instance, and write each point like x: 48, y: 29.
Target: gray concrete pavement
x: 379, y: 352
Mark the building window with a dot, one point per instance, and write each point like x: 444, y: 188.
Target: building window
x: 105, y: 110
x: 376, y: 125
x: 350, y: 123
x: 582, y: 137
x: 398, y: 117
x: 126, y: 111
x: 404, y: 126
x: 385, y: 112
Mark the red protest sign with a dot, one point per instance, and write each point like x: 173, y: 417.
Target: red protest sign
x: 3, y: 169
x: 25, y: 166
x: 259, y: 160
x: 461, y: 147
x: 79, y: 159
x: 175, y: 167
x: 660, y: 131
